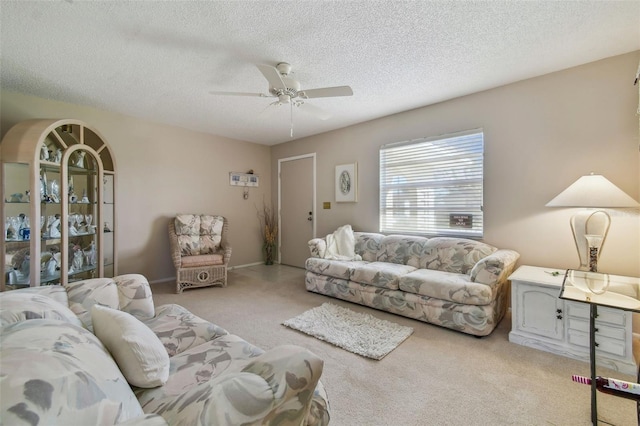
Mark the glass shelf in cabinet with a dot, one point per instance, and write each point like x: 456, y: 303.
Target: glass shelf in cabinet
x: 77, y: 171
x: 49, y: 166
x: 81, y: 234
x: 18, y: 285
x: 45, y: 279
x: 16, y: 240
x: 82, y: 270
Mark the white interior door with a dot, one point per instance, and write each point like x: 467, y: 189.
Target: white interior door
x: 296, y: 199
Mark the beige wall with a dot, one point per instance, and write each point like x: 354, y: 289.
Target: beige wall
x: 540, y: 136
x: 163, y: 170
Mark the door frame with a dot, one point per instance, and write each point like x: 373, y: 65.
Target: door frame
x: 313, y: 194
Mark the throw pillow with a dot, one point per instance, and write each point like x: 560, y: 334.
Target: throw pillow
x: 137, y: 350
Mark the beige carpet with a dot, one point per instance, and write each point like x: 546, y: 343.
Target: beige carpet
x: 435, y: 377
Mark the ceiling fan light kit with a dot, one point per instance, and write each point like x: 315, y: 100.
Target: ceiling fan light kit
x: 288, y: 91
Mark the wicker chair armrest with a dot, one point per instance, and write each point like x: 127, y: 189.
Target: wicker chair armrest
x: 175, y: 248
x: 225, y: 245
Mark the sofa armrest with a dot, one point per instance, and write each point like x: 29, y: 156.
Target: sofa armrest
x: 292, y: 373
x: 495, y: 268
x: 317, y: 247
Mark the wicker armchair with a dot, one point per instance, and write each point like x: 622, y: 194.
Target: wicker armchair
x: 200, y: 250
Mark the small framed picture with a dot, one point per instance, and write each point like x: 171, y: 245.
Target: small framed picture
x: 347, y: 183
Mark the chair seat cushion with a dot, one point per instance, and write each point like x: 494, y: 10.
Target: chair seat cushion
x: 202, y: 260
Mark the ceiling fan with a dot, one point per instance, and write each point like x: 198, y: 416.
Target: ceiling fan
x: 288, y: 91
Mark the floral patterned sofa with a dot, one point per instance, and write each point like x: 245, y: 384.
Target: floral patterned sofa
x: 452, y: 282
x: 98, y: 352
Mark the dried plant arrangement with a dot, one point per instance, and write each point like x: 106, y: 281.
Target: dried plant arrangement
x: 269, y: 227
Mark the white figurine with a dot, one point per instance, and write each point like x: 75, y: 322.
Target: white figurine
x: 52, y: 264
x: 58, y: 157
x: 44, y: 153
x: 78, y: 260
x: 85, y: 199
x: 90, y: 254
x: 80, y: 159
x: 54, y: 227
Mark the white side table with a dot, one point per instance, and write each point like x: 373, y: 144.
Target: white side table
x: 541, y: 320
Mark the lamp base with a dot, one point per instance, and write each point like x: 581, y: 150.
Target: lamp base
x: 590, y: 229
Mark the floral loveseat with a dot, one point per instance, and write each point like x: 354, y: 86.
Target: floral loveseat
x: 452, y: 282
x: 97, y: 352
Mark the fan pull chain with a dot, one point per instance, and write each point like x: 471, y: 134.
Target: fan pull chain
x: 291, y: 103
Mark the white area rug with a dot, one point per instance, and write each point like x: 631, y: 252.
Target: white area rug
x: 356, y: 332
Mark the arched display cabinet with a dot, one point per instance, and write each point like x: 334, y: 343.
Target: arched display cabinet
x: 58, y: 201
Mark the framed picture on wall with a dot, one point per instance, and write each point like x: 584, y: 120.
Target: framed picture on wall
x: 347, y: 183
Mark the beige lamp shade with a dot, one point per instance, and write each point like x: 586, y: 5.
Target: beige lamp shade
x: 593, y: 191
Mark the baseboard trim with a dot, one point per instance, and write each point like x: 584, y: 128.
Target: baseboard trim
x: 247, y: 265
x: 163, y: 280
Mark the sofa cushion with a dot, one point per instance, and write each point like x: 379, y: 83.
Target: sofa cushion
x: 178, y: 329
x: 17, y: 306
x: 86, y: 293
x: 333, y: 268
x: 446, y: 286
x: 380, y: 274
x: 60, y: 374
x: 134, y: 294
x: 56, y: 292
x: 457, y: 255
x: 368, y: 245
x: 402, y: 249
x: 137, y: 351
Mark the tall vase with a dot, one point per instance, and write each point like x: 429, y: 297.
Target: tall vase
x: 270, y: 251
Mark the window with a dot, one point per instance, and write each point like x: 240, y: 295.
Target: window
x: 433, y: 186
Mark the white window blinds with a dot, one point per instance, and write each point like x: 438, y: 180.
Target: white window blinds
x: 433, y: 186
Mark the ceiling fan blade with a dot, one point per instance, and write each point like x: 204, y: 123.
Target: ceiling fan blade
x: 261, y: 95
x: 326, y: 92
x: 273, y: 76
x: 313, y: 110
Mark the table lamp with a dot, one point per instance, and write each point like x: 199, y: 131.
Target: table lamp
x: 590, y: 226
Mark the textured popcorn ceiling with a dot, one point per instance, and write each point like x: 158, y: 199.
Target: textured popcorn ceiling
x: 159, y: 60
